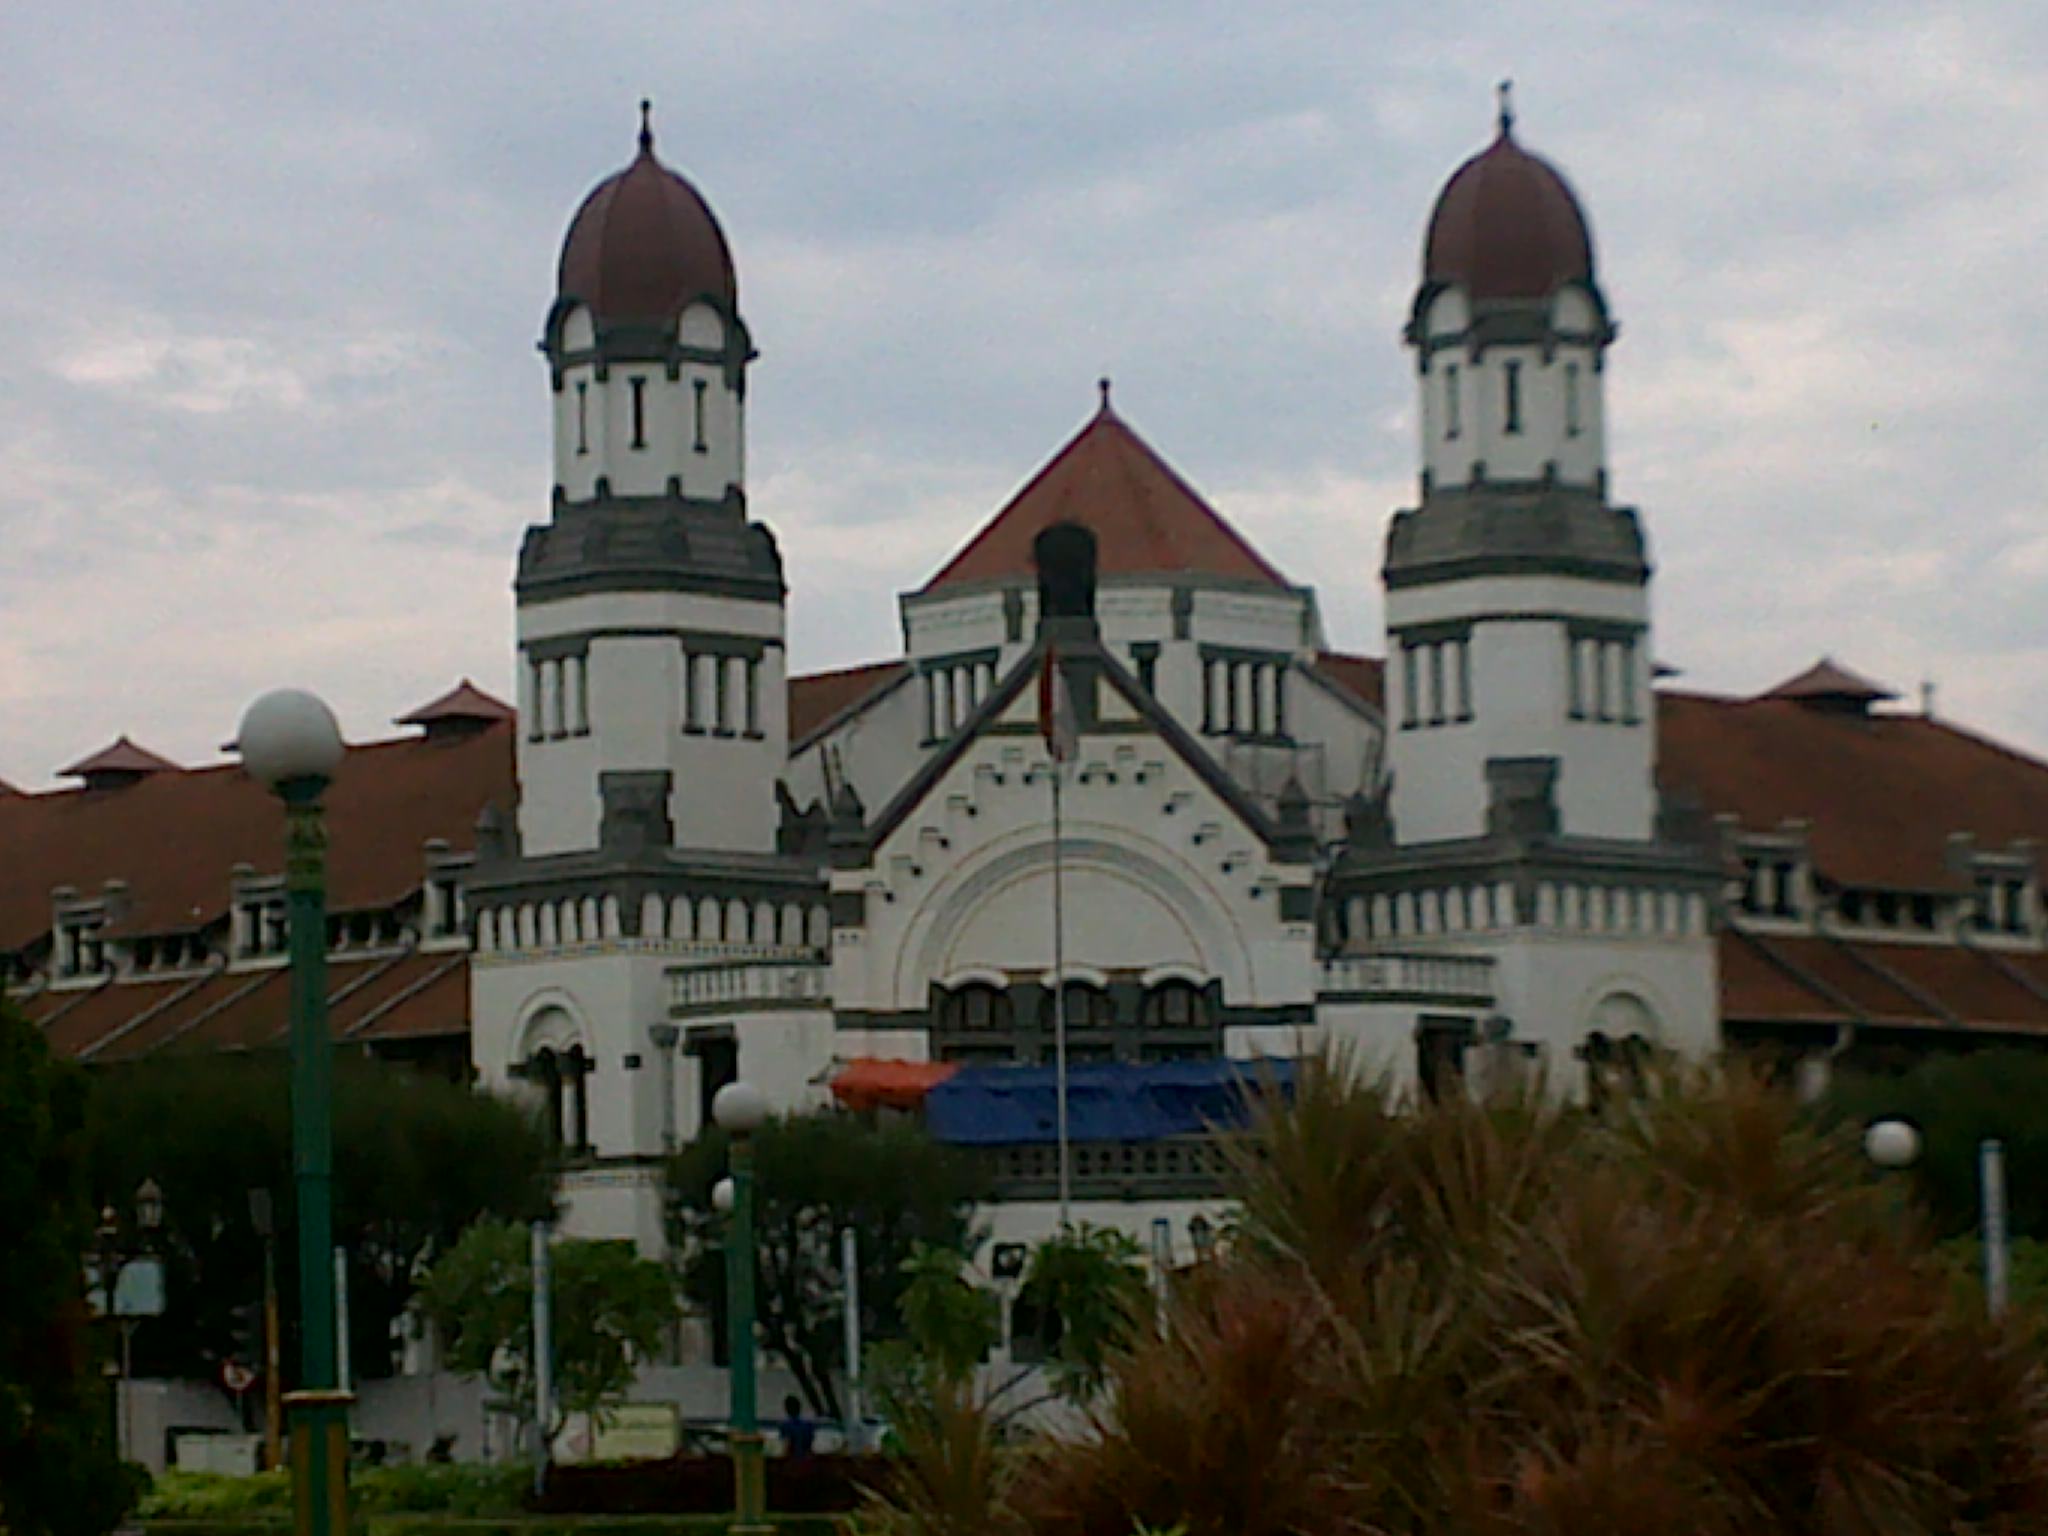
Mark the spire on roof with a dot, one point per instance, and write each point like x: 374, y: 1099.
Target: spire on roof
x: 118, y: 765
x: 1102, y: 385
x: 1506, y: 91
x: 646, y: 126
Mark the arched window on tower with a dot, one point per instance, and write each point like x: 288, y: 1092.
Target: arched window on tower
x: 699, y: 388
x: 1454, y: 415
x: 1511, y: 386
x: 1571, y: 399
x: 582, y: 416
x: 639, y: 387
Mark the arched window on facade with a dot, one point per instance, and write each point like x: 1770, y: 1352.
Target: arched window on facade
x: 975, y: 1022
x: 1621, y: 1052
x: 1177, y: 1022
x: 561, y: 1081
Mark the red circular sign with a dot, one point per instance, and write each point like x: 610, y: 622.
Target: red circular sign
x: 236, y: 1377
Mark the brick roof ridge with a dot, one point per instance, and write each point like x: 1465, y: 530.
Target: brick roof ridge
x: 1106, y: 432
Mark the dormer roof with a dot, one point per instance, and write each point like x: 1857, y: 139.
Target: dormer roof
x: 462, y: 709
x: 121, y: 763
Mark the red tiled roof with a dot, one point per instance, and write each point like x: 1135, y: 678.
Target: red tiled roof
x: 122, y: 757
x: 1811, y: 978
x: 176, y: 837
x: 1146, y: 520
x: 1826, y: 679
x: 410, y: 996
x: 1882, y: 793
x: 465, y: 701
x: 1363, y: 677
x: 819, y: 698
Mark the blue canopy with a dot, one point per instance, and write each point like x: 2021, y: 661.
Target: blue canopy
x: 1018, y: 1106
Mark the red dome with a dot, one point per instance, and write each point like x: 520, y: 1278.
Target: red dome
x: 644, y: 244
x: 1507, y: 227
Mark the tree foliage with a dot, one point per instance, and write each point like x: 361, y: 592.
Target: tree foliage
x: 1696, y: 1314
x: 1087, y: 1290
x: 1957, y: 1102
x: 816, y: 1175
x: 609, y: 1309
x: 58, y: 1472
x: 416, y: 1160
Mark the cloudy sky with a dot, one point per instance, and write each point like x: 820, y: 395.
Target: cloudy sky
x: 270, y: 280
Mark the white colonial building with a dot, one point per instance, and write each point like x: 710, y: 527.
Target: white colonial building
x: 1256, y: 861
x: 1505, y: 848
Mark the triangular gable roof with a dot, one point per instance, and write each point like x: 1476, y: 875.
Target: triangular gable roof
x: 465, y: 701
x: 1146, y: 519
x: 1025, y: 673
x: 1825, y: 679
x: 123, y: 757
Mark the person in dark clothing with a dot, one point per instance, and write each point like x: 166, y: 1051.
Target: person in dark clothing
x: 798, y: 1433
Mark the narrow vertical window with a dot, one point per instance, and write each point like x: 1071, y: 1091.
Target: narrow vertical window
x: 931, y: 708
x: 582, y: 417
x: 1436, y: 685
x: 1464, y: 652
x: 1571, y: 399
x: 1410, y: 670
x: 1454, y: 414
x: 1575, y: 667
x: 753, y: 697
x: 1603, y: 708
x: 699, y: 387
x: 693, y: 705
x: 1625, y: 679
x: 639, y: 413
x: 722, y: 666
x: 1280, y: 699
x: 1511, y: 385
x: 1208, y: 696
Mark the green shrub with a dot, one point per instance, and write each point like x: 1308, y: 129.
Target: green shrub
x: 456, y: 1490
x: 512, y: 1525
x: 1514, y: 1319
x: 217, y: 1496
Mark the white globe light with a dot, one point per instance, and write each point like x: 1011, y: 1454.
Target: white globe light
x: 740, y: 1107
x: 1892, y: 1144
x: 289, y: 734
x: 722, y: 1197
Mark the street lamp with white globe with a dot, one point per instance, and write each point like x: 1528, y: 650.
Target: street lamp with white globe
x: 740, y: 1109
x: 1892, y: 1143
x: 289, y: 741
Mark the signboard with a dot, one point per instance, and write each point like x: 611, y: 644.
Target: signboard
x: 636, y: 1432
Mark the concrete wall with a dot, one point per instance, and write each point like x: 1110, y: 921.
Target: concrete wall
x: 1521, y: 707
x: 1474, y: 431
x: 593, y: 421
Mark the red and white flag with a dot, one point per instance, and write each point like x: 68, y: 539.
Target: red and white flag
x: 1056, y: 719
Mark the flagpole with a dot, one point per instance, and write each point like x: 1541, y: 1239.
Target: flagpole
x: 1059, y: 999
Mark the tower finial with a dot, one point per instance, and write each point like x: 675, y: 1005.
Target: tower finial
x: 1506, y: 91
x: 646, y: 125
x: 1102, y: 384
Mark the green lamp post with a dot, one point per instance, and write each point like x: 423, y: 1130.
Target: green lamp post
x: 290, y: 742
x: 740, y: 1109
